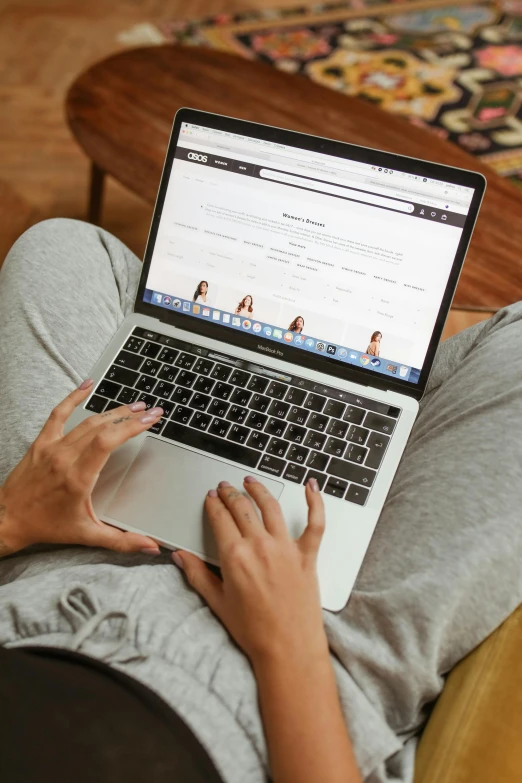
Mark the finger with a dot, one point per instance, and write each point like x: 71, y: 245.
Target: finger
x: 53, y: 427
x: 204, y: 582
x: 225, y: 530
x: 310, y: 539
x: 118, y: 540
x: 242, y: 509
x: 91, y: 422
x: 269, y: 507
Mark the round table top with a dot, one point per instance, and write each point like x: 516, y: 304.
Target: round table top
x: 121, y: 111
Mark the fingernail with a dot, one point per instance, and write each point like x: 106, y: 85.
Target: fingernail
x: 137, y: 406
x: 251, y: 480
x: 155, y: 411
x: 314, y: 485
x: 223, y: 484
x: 150, y: 550
x: 148, y: 419
x: 86, y: 384
x: 212, y: 493
x: 177, y: 559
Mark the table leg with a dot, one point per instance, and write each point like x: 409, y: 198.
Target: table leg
x: 95, y: 194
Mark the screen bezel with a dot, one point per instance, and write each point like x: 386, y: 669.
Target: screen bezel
x: 297, y: 356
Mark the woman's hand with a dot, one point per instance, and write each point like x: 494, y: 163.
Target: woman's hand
x: 47, y: 497
x: 269, y: 597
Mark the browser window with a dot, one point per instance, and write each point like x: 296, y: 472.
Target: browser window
x: 333, y: 256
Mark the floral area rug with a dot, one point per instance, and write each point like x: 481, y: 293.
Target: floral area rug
x: 452, y: 67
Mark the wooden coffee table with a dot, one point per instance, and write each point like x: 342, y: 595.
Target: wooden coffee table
x: 121, y: 112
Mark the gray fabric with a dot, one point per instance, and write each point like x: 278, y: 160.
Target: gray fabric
x: 442, y: 571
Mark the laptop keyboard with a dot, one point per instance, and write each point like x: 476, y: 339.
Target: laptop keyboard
x: 284, y: 426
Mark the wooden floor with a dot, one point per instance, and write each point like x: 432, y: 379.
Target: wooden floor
x: 44, y: 44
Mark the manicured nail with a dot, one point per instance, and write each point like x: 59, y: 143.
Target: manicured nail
x: 86, y: 384
x: 148, y: 419
x: 150, y: 550
x: 212, y: 493
x: 223, y: 484
x: 251, y: 480
x: 177, y: 559
x: 314, y: 485
x: 137, y: 406
x: 155, y: 411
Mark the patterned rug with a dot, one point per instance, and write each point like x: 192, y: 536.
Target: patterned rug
x: 452, y: 67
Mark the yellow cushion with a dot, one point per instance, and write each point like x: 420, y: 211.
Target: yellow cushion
x: 474, y: 734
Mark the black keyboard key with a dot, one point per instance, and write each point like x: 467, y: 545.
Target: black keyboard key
x: 96, y: 403
x: 374, y: 421
x: 336, y: 447
x: 238, y: 433
x: 151, y: 350
x: 278, y: 408
x: 127, y: 396
x: 393, y: 412
x: 298, y: 415
x: 315, y: 402
x: 133, y: 344
x: 156, y: 428
x: 185, y: 361
x: 150, y: 367
x: 221, y: 372
x: 294, y: 473
x: 314, y: 440
x: 321, y: 478
x: 146, y: 383
x: 168, y: 406
x: 218, y: 408
x: 219, y: 427
x: 275, y: 427
x: 277, y: 447
x: 203, y: 384
x: 113, y: 404
x: 257, y: 384
x: 277, y: 390
x: 181, y: 395
x: 131, y: 360
x: 121, y: 375
x: 297, y: 454
x: 256, y: 420
x: 357, y: 494
x: 337, y: 428
x: 163, y: 389
x: 199, y: 401
x: 167, y: 373
x: 108, y: 389
x: 237, y: 414
x: 200, y: 420
x: 239, y: 378
x: 181, y: 414
x: 354, y: 415
x: 222, y: 391
x: 357, y: 435
x: 271, y: 464
x: 377, y: 444
x: 334, y: 408
x: 317, y: 461
x: 211, y: 445
x: 186, y: 378
x: 149, y: 400
x: 316, y: 421
x: 295, y: 396
x: 148, y: 335
x: 241, y: 396
x: 203, y: 366
x: 335, y: 486
x: 354, y: 453
x: 350, y: 472
x: 258, y: 440
x: 295, y: 433
x: 168, y: 355
x: 259, y: 403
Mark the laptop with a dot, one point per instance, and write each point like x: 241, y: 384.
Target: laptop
x: 293, y: 294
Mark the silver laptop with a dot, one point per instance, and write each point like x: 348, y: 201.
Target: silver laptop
x: 293, y: 293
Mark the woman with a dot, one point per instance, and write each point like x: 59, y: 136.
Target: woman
x: 114, y: 665
x: 375, y: 344
x: 201, y: 293
x: 246, y: 307
x: 297, y: 325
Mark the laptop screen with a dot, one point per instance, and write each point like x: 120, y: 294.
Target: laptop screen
x: 334, y: 257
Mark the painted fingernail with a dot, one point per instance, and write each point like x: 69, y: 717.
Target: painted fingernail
x: 148, y: 419
x: 223, y: 484
x: 137, y: 406
x: 251, y: 480
x: 177, y: 559
x: 86, y: 384
x: 212, y: 493
x: 150, y: 550
x: 155, y: 411
x: 314, y: 486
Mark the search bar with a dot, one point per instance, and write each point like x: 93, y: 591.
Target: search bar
x: 335, y: 190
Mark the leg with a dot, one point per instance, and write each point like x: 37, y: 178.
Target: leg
x: 96, y: 194
x: 65, y: 287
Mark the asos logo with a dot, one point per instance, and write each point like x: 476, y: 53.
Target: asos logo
x: 196, y: 156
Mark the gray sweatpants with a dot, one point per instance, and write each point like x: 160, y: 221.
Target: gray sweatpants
x: 442, y: 572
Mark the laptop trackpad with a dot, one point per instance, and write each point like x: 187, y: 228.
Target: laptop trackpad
x: 163, y: 493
